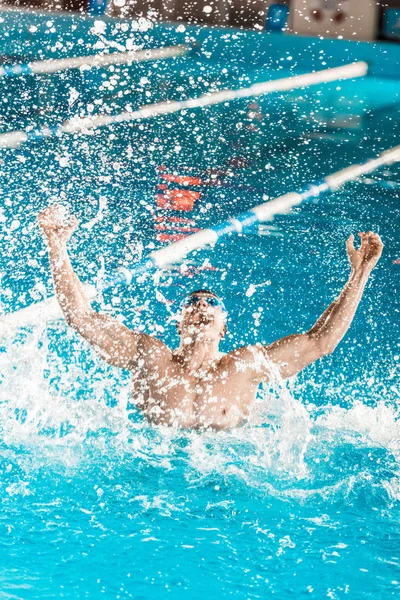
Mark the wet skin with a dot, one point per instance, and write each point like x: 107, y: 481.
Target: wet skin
x: 193, y: 386
x: 180, y: 389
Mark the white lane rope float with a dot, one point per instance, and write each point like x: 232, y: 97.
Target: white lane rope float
x: 14, y: 139
x: 160, y: 259
x: 40, y: 67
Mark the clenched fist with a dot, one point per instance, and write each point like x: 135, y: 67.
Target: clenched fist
x: 365, y: 258
x: 56, y: 224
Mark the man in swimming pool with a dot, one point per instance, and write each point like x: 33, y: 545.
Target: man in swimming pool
x: 194, y: 386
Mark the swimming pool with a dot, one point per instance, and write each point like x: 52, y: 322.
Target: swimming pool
x: 303, y: 502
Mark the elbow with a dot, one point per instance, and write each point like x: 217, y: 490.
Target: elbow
x: 323, y: 346
x: 71, y: 319
x: 327, y: 349
x: 74, y: 318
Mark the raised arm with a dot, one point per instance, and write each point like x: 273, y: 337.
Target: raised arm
x: 295, y: 352
x: 115, y: 343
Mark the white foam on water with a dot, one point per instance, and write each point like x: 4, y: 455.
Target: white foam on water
x: 99, y: 216
x: 29, y: 406
x: 375, y: 425
x: 272, y: 452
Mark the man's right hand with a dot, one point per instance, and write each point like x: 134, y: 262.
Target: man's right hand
x: 56, y: 224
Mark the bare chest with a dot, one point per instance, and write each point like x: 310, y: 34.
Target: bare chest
x: 219, y: 398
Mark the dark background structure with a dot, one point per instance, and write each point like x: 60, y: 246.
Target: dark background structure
x: 249, y: 14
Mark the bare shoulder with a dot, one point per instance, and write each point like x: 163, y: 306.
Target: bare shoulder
x: 248, y: 353
x: 148, y: 344
x: 252, y: 360
x: 150, y: 350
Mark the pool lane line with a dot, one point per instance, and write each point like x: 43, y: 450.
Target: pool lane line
x: 97, y: 60
x: 165, y: 257
x: 82, y: 125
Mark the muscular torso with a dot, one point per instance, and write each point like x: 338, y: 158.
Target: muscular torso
x: 218, y: 397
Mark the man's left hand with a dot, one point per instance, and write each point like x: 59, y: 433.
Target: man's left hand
x: 365, y: 258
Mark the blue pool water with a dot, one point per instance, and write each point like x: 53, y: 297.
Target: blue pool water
x: 304, y: 500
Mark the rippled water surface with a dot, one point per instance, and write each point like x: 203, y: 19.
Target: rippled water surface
x: 303, y: 501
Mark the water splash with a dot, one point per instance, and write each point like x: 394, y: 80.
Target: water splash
x: 66, y: 406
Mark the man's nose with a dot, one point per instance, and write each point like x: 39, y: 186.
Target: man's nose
x: 202, y: 303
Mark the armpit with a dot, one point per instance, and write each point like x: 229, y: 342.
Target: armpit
x: 253, y: 359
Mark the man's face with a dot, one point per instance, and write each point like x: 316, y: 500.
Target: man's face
x: 202, y: 315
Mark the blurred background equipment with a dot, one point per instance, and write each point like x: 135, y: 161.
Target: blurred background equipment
x: 391, y: 24
x: 350, y: 19
x: 277, y: 17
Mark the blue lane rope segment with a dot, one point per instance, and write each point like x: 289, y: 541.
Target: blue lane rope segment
x: 16, y: 70
x: 313, y: 190
x: 125, y: 276
x: 223, y: 228
x: 34, y: 134
x: 247, y: 218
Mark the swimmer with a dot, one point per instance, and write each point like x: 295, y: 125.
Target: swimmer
x: 193, y: 386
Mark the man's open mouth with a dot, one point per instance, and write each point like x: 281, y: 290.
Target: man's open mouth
x: 202, y: 318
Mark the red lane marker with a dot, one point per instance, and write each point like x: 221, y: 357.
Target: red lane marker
x: 181, y: 220
x: 179, y: 194
x: 163, y: 227
x: 163, y: 219
x: 188, y: 229
x: 177, y: 199
x: 170, y: 237
x: 183, y: 179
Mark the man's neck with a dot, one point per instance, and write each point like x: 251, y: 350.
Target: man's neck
x: 198, y: 355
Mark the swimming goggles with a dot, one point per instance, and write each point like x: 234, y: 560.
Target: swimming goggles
x: 211, y: 301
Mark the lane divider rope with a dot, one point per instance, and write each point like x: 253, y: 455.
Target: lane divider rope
x: 39, y: 67
x: 82, y: 125
x: 160, y: 259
